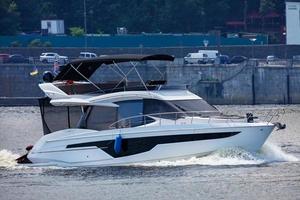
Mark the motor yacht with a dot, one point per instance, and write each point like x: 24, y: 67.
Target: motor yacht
x: 129, y: 122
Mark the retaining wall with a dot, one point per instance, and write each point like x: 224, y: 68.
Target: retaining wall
x: 240, y: 84
x: 231, y: 84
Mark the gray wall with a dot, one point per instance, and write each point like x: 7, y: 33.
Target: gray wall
x: 234, y: 84
x: 240, y: 84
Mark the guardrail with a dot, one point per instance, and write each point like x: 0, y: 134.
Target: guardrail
x: 273, y: 115
x: 191, y: 117
x: 180, y: 61
x: 173, y: 117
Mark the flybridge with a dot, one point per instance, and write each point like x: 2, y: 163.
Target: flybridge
x: 80, y: 70
x: 74, y: 77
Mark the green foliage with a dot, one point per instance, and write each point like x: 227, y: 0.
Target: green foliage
x: 47, y: 44
x: 35, y: 43
x: 9, y: 17
x: 15, y: 44
x: 76, y: 31
x: 267, y: 5
x: 136, y: 15
x: 99, y: 31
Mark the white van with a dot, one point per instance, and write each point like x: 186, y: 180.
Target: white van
x: 195, y: 58
x: 87, y: 55
x: 212, y: 54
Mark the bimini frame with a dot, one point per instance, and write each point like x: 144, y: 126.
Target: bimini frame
x: 83, y: 69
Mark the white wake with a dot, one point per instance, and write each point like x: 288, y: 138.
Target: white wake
x: 233, y: 156
x: 8, y: 159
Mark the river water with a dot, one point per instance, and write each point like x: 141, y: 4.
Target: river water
x: 272, y: 173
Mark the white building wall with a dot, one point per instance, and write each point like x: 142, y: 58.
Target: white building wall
x: 53, y: 26
x: 293, y: 22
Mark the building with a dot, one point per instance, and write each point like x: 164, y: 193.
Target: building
x: 293, y: 22
x: 52, y: 27
x: 270, y: 23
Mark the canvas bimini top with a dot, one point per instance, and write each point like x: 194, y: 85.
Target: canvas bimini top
x: 80, y: 69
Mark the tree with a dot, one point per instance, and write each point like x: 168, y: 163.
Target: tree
x: 9, y: 18
x: 76, y: 31
x: 30, y: 15
x: 267, y: 6
x: 35, y: 43
x: 136, y: 15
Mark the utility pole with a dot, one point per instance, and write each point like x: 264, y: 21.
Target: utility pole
x: 85, y: 31
x: 252, y: 42
x: 245, y: 14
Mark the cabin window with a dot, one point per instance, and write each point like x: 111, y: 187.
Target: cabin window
x: 56, y: 118
x: 154, y: 106
x: 100, y: 118
x: 198, y: 105
x: 131, y: 108
x: 157, y: 106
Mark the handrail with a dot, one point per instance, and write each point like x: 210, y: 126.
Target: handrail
x: 126, y: 122
x: 175, y: 116
x: 272, y: 114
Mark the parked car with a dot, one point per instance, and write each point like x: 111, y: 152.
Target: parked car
x: 50, y: 57
x: 222, y: 59
x: 4, y: 57
x: 87, y: 55
x: 271, y: 58
x: 237, y: 59
x: 195, y: 58
x: 296, y: 58
x: 17, y: 58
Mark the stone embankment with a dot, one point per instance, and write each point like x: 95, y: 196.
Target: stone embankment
x: 246, y: 83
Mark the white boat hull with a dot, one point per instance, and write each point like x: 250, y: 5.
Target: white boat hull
x: 82, y: 147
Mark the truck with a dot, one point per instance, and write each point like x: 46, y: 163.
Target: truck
x: 211, y: 54
x: 195, y: 58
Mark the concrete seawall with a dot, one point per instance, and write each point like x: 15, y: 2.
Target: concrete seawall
x: 240, y: 84
x: 232, y: 84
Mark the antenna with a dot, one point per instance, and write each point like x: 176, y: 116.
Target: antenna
x: 85, y: 31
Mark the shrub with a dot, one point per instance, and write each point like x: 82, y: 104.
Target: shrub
x: 47, y: 44
x: 15, y: 44
x: 35, y: 43
x: 76, y: 31
x: 99, y: 31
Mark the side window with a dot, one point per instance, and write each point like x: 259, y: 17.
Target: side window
x: 156, y: 106
x: 130, y: 108
x: 99, y: 121
x: 68, y: 116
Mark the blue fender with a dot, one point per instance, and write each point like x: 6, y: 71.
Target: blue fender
x: 118, y: 144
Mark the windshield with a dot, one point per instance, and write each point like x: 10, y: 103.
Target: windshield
x: 198, y: 105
